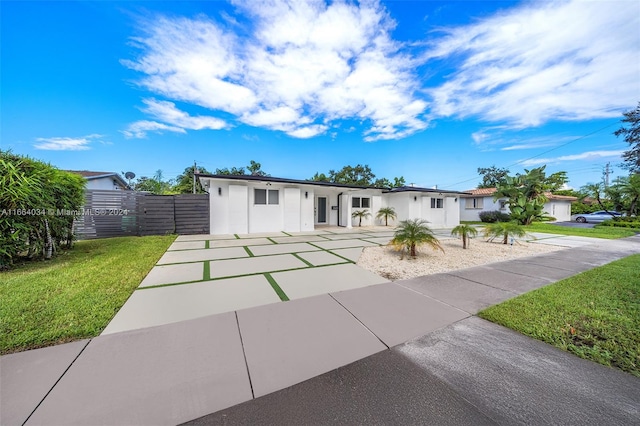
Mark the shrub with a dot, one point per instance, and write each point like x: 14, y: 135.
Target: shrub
x: 31, y: 195
x: 494, y: 216
x: 621, y: 222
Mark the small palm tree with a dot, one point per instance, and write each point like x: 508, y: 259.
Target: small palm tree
x: 360, y: 214
x: 413, y: 233
x: 386, y: 213
x: 465, y: 232
x: 504, y: 230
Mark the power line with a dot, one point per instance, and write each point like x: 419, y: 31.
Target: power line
x: 544, y: 152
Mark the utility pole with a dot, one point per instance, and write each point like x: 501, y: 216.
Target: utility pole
x: 195, y: 170
x: 606, y: 173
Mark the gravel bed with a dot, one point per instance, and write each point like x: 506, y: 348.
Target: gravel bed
x: 393, y: 265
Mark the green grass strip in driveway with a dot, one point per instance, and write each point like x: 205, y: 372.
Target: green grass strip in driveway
x: 303, y: 260
x: 248, y: 252
x: 206, y: 244
x: 207, y: 270
x: 281, y: 294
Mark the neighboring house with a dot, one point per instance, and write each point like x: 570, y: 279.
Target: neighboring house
x: 102, y: 180
x: 246, y: 204
x: 479, y: 200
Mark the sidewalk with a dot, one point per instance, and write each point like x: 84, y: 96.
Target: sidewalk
x: 179, y: 372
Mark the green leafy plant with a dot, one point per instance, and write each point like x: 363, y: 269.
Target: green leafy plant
x: 386, y: 213
x: 361, y: 214
x: 504, y: 230
x: 465, y: 232
x: 32, y: 196
x: 411, y: 234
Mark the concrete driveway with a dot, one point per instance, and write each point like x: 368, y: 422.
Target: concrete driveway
x: 202, y: 275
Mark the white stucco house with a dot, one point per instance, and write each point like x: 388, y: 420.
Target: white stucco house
x: 246, y: 204
x: 478, y: 200
x: 108, y: 181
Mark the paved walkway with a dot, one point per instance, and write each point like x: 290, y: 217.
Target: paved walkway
x: 459, y: 370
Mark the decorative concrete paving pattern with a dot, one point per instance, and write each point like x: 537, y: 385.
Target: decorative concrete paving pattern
x: 337, y: 244
x: 173, y: 274
x: 185, y: 256
x: 353, y: 254
x: 321, y: 280
x: 240, y: 271
x: 322, y: 258
x: 281, y: 249
x: 187, y: 245
x: 254, y: 265
x: 165, y: 305
x: 239, y: 242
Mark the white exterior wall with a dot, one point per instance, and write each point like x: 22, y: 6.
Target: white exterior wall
x: 292, y: 216
x: 238, y: 218
x: 104, y: 183
x: 560, y: 209
x: 452, y: 211
x: 487, y: 206
x: 219, y: 208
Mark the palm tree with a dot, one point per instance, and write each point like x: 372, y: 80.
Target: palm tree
x: 360, y: 214
x: 413, y: 233
x: 466, y: 232
x: 386, y: 213
x: 504, y: 230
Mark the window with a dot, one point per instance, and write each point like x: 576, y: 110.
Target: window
x: 437, y: 203
x: 474, y: 203
x: 357, y: 202
x: 503, y: 205
x: 261, y: 196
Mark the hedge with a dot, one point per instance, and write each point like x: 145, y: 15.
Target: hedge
x: 36, y: 201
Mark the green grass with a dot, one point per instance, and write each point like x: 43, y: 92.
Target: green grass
x: 594, y: 315
x: 76, y: 294
x: 608, y: 233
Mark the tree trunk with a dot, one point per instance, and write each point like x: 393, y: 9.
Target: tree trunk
x: 48, y: 245
x: 506, y: 238
x: 464, y: 241
x: 413, y: 250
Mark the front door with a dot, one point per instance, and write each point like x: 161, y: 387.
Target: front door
x: 321, y: 210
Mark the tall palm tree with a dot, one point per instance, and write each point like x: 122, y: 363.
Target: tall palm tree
x: 360, y: 214
x: 465, y: 232
x: 413, y: 233
x: 386, y: 213
x: 504, y: 230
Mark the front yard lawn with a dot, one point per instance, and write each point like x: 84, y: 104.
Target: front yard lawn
x: 608, y: 233
x: 595, y: 315
x: 76, y: 294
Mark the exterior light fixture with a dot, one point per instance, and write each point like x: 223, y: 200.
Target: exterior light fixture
x: 415, y: 198
x: 219, y: 191
x: 306, y: 194
x: 456, y: 199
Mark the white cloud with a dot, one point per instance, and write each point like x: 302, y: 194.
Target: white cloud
x: 557, y: 60
x: 168, y: 113
x: 139, y: 129
x: 590, y: 155
x: 67, y: 143
x: 303, y: 65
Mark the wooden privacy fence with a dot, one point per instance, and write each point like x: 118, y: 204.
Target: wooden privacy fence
x: 121, y: 213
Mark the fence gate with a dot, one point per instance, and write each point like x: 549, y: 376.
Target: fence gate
x: 191, y: 213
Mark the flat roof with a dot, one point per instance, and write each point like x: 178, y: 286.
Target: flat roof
x: 254, y: 178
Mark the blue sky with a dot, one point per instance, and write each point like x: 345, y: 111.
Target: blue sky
x: 430, y: 90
